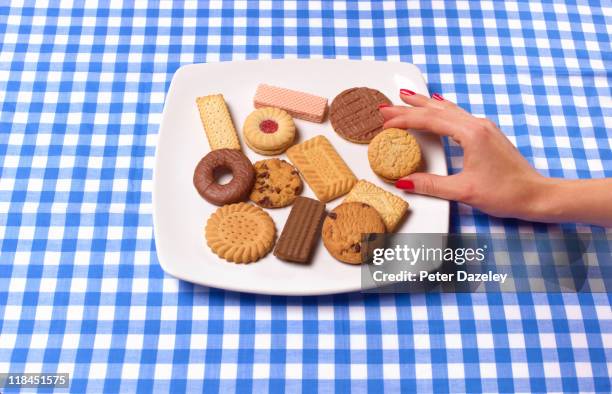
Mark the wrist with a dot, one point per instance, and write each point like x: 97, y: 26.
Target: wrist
x: 578, y: 200
x: 546, y: 200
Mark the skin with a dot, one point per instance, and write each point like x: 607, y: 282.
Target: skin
x: 496, y: 178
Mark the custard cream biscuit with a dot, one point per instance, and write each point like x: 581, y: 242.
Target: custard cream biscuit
x: 217, y: 122
x: 322, y: 168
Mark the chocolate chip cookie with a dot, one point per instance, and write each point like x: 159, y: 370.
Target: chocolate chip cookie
x: 277, y: 184
x: 344, y: 227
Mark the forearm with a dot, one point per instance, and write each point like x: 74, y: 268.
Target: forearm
x: 582, y: 201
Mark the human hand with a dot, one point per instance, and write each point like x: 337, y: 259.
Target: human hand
x: 495, y: 177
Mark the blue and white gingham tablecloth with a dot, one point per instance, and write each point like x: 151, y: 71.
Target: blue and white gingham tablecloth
x: 82, y: 88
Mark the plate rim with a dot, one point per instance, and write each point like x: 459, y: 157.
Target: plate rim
x: 155, y: 183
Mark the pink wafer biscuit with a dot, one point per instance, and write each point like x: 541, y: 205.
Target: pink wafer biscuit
x: 299, y: 104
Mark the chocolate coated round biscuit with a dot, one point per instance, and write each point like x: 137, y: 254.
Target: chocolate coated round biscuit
x: 354, y: 114
x: 238, y: 189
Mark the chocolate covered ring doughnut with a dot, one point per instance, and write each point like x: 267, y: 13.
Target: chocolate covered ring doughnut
x: 238, y: 189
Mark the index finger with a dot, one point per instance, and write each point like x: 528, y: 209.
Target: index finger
x: 423, y: 118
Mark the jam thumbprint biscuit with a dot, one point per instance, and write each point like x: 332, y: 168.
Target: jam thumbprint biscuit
x: 344, y: 228
x: 269, y: 131
x: 277, y: 184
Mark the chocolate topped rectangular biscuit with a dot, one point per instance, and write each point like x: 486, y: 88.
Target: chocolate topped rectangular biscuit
x: 301, y: 230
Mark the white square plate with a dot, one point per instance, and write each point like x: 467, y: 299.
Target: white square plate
x: 179, y: 213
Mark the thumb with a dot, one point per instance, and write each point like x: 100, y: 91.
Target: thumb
x: 445, y: 187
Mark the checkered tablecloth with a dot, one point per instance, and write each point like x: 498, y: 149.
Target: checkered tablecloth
x: 81, y: 291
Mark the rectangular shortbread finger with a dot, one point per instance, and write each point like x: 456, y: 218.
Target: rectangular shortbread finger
x: 324, y: 170
x: 217, y: 122
x: 298, y: 104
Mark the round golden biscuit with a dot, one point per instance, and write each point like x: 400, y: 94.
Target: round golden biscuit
x: 277, y: 184
x: 240, y: 233
x: 269, y: 131
x: 344, y: 227
x: 393, y: 154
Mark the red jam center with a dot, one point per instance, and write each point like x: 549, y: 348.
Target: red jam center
x: 268, y: 126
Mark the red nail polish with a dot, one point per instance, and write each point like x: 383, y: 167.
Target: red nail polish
x: 383, y: 106
x: 437, y: 97
x: 404, y: 184
x: 407, y: 92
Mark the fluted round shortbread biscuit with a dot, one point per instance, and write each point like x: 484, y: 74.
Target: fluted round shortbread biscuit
x: 269, y: 131
x: 344, y: 227
x: 393, y: 154
x: 277, y: 184
x: 240, y: 233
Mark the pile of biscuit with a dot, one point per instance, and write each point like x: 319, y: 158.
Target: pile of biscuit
x: 243, y: 232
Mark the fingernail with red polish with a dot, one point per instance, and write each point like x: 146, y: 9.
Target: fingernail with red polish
x: 404, y: 184
x: 437, y: 97
x: 383, y: 106
x: 407, y: 92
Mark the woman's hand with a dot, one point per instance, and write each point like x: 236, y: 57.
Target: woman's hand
x: 495, y: 178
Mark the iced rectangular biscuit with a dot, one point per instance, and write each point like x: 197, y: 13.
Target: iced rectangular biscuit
x: 301, y: 231
x: 324, y: 170
x: 390, y: 207
x: 217, y: 122
x: 299, y: 104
